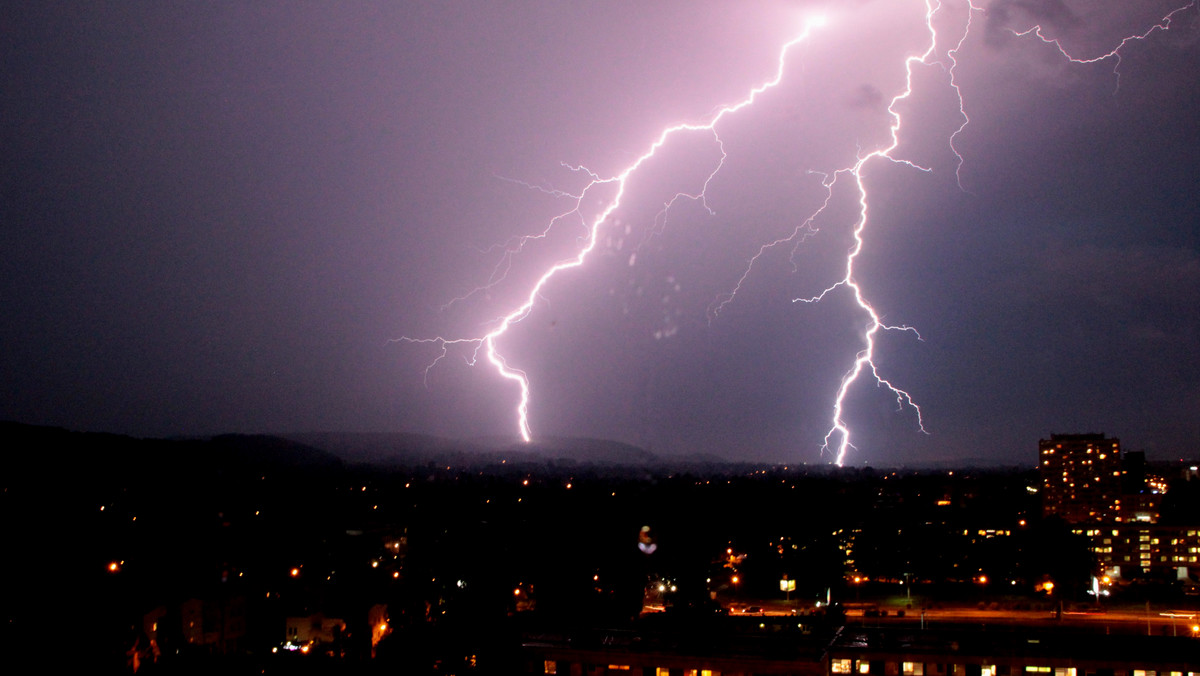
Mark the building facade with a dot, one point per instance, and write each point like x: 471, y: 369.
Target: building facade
x: 1081, y: 477
x: 1146, y: 550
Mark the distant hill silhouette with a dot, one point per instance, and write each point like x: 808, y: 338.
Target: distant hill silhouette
x: 97, y: 456
x: 38, y: 447
x: 414, y: 449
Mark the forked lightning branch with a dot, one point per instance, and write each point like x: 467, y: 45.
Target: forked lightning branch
x: 942, y: 47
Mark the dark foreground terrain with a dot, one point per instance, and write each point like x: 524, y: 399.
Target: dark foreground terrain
x: 255, y: 554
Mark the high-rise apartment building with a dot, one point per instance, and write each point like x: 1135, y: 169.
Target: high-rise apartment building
x: 1081, y: 477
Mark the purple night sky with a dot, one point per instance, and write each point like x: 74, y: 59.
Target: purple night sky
x: 216, y: 216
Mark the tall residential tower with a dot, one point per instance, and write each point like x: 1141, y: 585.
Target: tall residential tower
x: 1081, y: 477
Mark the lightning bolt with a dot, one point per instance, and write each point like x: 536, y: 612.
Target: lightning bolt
x: 837, y: 441
x: 486, y: 343
x: 1164, y: 24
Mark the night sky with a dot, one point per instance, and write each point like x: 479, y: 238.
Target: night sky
x: 216, y: 217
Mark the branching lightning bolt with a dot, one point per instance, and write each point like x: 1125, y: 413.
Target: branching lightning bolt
x: 487, y: 342
x: 1163, y: 24
x: 837, y: 440
x: 838, y: 436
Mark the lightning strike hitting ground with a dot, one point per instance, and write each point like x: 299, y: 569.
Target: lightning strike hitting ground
x: 864, y: 359
x: 837, y: 440
x: 487, y: 341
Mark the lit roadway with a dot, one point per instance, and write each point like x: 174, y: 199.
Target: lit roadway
x: 1123, y: 618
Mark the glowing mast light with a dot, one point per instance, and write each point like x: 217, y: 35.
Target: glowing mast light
x: 837, y: 441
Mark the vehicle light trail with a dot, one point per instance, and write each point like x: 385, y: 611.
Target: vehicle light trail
x: 837, y: 441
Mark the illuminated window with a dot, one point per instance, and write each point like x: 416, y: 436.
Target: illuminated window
x: 709, y: 672
x: 662, y: 671
x: 987, y: 670
x: 618, y: 667
x: 914, y: 669
x: 841, y: 666
x: 1042, y: 670
x: 549, y: 667
x: 864, y: 667
x: 1064, y: 671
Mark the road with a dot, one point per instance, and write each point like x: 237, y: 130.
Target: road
x: 1115, y: 619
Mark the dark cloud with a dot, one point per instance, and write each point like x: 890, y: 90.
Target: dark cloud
x: 868, y: 97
